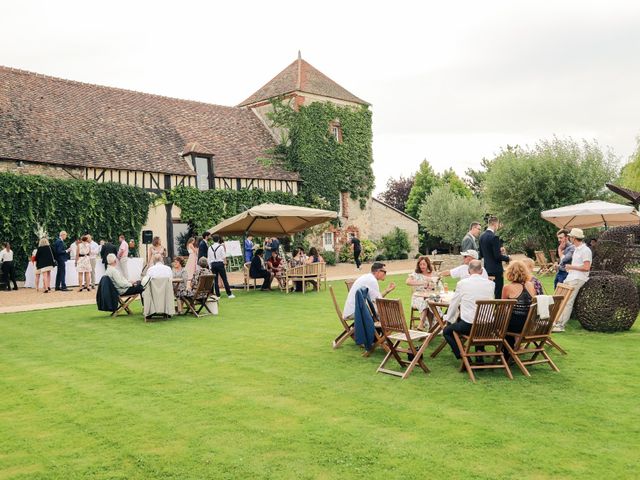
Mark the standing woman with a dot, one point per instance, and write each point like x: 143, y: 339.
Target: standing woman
x: 193, y: 257
x: 83, y: 264
x: 45, y: 263
x: 8, y: 267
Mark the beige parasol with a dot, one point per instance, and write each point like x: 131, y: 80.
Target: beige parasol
x: 273, y: 219
x: 594, y: 213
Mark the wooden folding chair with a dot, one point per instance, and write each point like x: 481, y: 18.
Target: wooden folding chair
x: 247, y: 278
x: 544, y: 266
x: 395, y: 331
x: 553, y: 255
x: 202, y: 294
x: 125, y: 301
x: 347, y: 326
x: 349, y: 284
x: 563, y: 290
x: 414, y: 318
x: 531, y: 341
x: 488, y: 329
x: 322, y: 275
x: 436, y: 264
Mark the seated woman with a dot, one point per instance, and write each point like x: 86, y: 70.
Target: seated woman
x: 536, y: 283
x: 314, y: 256
x: 201, y: 269
x: 298, y: 258
x: 257, y: 270
x: 275, y: 266
x: 421, y: 280
x: 179, y: 280
x: 520, y: 289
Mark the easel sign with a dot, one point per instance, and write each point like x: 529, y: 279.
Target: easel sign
x: 232, y: 248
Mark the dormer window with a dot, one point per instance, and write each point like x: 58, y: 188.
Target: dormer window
x: 336, y: 131
x: 202, y: 166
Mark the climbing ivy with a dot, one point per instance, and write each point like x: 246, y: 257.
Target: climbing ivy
x: 105, y: 210
x: 326, y: 166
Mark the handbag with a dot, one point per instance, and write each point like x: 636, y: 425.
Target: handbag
x: 53, y: 257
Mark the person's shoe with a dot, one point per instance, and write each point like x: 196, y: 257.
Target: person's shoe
x: 15, y: 288
x: 65, y: 289
x: 231, y: 296
x: 558, y: 329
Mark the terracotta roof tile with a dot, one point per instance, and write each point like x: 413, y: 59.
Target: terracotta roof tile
x: 64, y: 122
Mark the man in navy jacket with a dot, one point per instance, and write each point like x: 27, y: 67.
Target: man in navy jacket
x: 493, y: 254
x: 60, y: 254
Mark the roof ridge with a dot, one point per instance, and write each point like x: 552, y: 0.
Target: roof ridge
x: 120, y: 89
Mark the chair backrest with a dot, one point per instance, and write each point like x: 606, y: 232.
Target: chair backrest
x: 311, y: 269
x: 564, y: 290
x: 491, y: 320
x: 553, y: 255
x: 349, y: 284
x: 296, y: 271
x: 391, y: 316
x: 337, y: 307
x: 540, y: 327
x: 205, y: 286
x: 540, y: 258
x: 245, y: 269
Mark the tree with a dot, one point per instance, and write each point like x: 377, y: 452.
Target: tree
x: 630, y: 175
x: 397, y: 192
x: 395, y: 244
x: 475, y: 178
x: 449, y: 177
x: 425, y: 180
x: 521, y: 183
x: 447, y: 215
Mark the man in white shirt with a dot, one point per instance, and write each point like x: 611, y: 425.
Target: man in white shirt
x: 462, y: 309
x: 93, y: 255
x: 370, y: 281
x: 123, y: 286
x: 159, y: 269
x: 461, y: 272
x: 123, y: 256
x: 216, y: 256
x: 577, y: 276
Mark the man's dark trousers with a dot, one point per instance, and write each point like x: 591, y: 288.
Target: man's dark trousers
x: 462, y: 327
x: 217, y: 268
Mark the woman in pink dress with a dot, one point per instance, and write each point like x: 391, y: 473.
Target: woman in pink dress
x: 193, y: 257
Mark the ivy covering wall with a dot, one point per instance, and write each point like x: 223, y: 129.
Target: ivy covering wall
x: 105, y: 210
x: 327, y: 166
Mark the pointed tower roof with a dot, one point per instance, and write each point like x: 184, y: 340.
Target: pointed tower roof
x: 302, y: 77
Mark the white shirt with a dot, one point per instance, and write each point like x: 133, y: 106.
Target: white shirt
x: 159, y: 270
x: 6, y: 256
x: 95, y: 249
x: 467, y: 292
x: 73, y: 251
x: 580, y: 255
x: 369, y: 281
x: 462, y: 272
x: 121, y: 283
x: 216, y: 253
x: 123, y: 251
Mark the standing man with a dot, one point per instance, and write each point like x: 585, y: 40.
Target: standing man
x: 469, y: 241
x: 203, y: 246
x: 578, y: 274
x: 565, y: 254
x: 7, y: 266
x: 216, y: 256
x: 123, y: 256
x: 248, y: 248
x: 493, y: 254
x: 60, y: 254
x: 93, y: 256
x: 370, y: 281
x: 275, y: 246
x: 468, y: 290
x: 357, y: 250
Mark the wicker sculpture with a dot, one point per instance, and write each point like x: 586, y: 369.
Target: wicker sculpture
x: 612, y: 256
x: 607, y: 303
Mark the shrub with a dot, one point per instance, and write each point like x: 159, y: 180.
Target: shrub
x: 395, y: 244
x: 329, y: 257
x: 380, y: 258
x: 368, y: 252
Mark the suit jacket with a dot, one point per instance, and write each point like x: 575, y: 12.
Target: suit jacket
x: 106, y: 249
x: 363, y: 321
x: 107, y: 295
x: 60, y: 250
x: 490, y: 252
x: 256, y: 270
x: 202, y: 249
x: 469, y: 243
x: 158, y: 297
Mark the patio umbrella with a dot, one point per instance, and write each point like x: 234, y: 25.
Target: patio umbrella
x: 632, y: 196
x: 594, y: 213
x: 273, y: 219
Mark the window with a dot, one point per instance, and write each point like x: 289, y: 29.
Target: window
x: 336, y: 131
x: 327, y: 241
x: 201, y: 166
x: 180, y: 237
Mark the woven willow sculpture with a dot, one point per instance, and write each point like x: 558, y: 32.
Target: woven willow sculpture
x: 607, y: 303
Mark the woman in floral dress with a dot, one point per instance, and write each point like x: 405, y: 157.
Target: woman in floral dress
x: 421, y: 280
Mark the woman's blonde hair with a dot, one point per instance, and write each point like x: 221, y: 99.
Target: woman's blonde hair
x: 43, y: 242
x: 517, y: 272
x: 529, y: 263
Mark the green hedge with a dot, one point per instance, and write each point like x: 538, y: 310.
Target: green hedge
x: 105, y: 210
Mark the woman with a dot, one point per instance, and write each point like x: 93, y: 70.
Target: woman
x: 179, y: 287
x: 275, y: 265
x: 522, y: 290
x: 192, y: 250
x: 8, y: 267
x: 314, y: 256
x: 536, y: 283
x: 45, y: 263
x: 421, y: 280
x: 298, y: 258
x: 156, y: 248
x: 83, y: 264
x: 203, y: 269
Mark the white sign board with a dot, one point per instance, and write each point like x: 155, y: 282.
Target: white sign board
x: 233, y: 248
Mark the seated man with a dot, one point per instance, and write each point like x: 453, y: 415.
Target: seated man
x: 257, y: 270
x: 464, y: 299
x: 370, y: 281
x: 123, y: 286
x: 159, y: 269
x: 462, y: 271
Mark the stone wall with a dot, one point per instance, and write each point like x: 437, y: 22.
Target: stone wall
x: 47, y: 170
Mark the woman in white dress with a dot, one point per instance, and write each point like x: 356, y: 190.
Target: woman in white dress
x: 421, y: 280
x: 83, y: 264
x: 193, y: 257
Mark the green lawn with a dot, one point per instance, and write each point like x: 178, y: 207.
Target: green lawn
x: 258, y: 392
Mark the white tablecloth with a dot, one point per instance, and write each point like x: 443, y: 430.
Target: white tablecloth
x: 134, y: 268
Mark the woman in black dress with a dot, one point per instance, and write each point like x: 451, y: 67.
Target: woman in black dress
x: 44, y: 263
x: 522, y: 290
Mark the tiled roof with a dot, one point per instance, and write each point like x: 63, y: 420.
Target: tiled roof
x: 63, y: 122
x: 301, y: 76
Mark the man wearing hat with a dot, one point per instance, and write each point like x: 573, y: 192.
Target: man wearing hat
x: 577, y: 276
x: 462, y: 271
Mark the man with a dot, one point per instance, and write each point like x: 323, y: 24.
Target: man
x: 123, y: 286
x: 565, y: 253
x: 469, y: 241
x: 257, y: 270
x: 275, y: 246
x: 93, y: 256
x: 461, y: 272
x: 105, y: 250
x: 159, y: 269
x: 60, y: 254
x: 216, y: 256
x: 493, y: 254
x: 578, y: 274
x: 248, y: 248
x: 357, y: 249
x: 123, y: 256
x: 203, y: 246
x: 462, y: 309
x: 370, y: 281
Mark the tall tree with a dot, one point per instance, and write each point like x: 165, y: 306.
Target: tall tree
x: 475, y: 178
x: 630, y: 175
x: 425, y: 180
x: 397, y: 192
x: 449, y: 177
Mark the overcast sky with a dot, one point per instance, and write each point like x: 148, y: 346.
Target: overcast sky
x: 451, y: 82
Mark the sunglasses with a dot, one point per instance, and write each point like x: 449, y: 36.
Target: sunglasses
x: 383, y: 271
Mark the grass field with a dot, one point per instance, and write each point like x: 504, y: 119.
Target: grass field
x: 258, y: 392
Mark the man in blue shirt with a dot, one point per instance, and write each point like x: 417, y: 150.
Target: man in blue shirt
x: 248, y: 248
